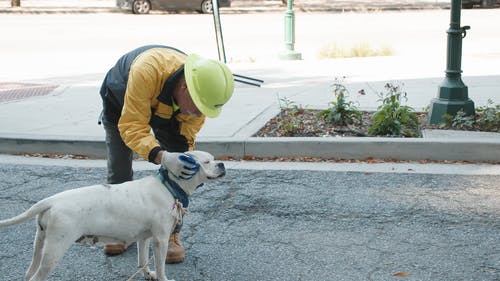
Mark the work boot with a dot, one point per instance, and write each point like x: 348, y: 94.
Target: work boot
x: 115, y: 249
x: 175, y: 251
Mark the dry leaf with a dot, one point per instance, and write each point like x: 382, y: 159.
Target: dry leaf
x: 401, y: 274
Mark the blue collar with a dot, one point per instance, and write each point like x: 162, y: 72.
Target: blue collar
x: 173, y: 187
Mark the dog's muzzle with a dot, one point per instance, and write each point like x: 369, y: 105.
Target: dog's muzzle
x: 220, y: 172
x: 222, y: 169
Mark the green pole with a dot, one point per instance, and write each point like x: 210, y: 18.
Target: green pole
x: 452, y: 93
x: 290, y: 53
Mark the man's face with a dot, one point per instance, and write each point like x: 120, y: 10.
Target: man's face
x: 184, y: 101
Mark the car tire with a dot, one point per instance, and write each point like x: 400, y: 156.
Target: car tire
x: 207, y: 7
x: 141, y: 6
x: 467, y: 6
x: 487, y: 3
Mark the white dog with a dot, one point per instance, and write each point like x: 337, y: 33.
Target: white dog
x: 132, y: 211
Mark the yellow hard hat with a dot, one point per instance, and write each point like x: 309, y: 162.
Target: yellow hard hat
x: 210, y: 84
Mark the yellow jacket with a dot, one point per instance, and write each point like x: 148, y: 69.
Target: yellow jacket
x: 148, y: 103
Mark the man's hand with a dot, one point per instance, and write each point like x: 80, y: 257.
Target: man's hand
x: 180, y: 165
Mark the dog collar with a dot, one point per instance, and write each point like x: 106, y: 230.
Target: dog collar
x: 173, y: 187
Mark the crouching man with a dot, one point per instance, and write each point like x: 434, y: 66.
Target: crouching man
x: 155, y: 100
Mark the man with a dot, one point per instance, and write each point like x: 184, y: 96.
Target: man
x: 155, y: 100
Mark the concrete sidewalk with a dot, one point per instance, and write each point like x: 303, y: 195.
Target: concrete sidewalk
x: 57, y: 112
x: 64, y: 121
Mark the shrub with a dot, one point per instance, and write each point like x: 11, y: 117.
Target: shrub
x: 460, y: 121
x: 290, y: 122
x: 341, y: 112
x: 487, y: 119
x: 392, y: 118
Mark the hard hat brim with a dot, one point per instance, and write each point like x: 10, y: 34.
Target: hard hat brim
x: 195, y: 95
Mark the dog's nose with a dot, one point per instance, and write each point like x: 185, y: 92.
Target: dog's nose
x: 222, y: 169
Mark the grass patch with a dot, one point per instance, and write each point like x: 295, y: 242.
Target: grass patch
x: 333, y: 50
x: 242, y: 60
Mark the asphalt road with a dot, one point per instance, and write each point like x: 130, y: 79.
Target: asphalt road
x: 290, y: 225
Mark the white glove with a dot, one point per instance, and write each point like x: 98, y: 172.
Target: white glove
x: 181, y: 165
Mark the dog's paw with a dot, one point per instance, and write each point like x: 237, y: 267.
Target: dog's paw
x: 151, y: 275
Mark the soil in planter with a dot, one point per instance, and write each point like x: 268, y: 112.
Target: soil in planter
x: 306, y: 123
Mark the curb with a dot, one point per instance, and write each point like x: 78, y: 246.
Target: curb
x: 326, y: 148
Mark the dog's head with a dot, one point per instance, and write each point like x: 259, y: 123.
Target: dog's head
x: 209, y: 170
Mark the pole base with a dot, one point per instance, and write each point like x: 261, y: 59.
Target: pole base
x: 452, y: 97
x: 440, y: 107
x: 290, y: 55
x: 453, y: 88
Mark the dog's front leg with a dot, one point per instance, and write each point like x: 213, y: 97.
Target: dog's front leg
x: 143, y: 259
x: 160, y: 245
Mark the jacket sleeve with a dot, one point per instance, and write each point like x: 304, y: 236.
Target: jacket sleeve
x: 136, y: 113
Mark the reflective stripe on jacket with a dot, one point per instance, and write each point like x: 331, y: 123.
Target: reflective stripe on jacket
x: 137, y: 95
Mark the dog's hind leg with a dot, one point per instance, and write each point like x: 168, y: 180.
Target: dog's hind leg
x: 37, y: 252
x: 55, y: 245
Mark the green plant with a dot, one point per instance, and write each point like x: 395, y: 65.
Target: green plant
x: 289, y: 121
x: 489, y: 117
x: 341, y: 112
x: 448, y: 119
x: 460, y: 121
x: 392, y: 118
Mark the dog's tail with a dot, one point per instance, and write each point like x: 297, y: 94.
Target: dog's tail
x: 36, y: 209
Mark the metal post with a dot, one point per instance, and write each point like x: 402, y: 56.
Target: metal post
x: 218, y: 31
x: 290, y: 53
x: 452, y: 93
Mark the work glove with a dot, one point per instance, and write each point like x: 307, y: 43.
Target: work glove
x: 181, y: 165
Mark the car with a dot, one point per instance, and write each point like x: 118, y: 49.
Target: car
x: 145, y: 6
x: 469, y: 4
